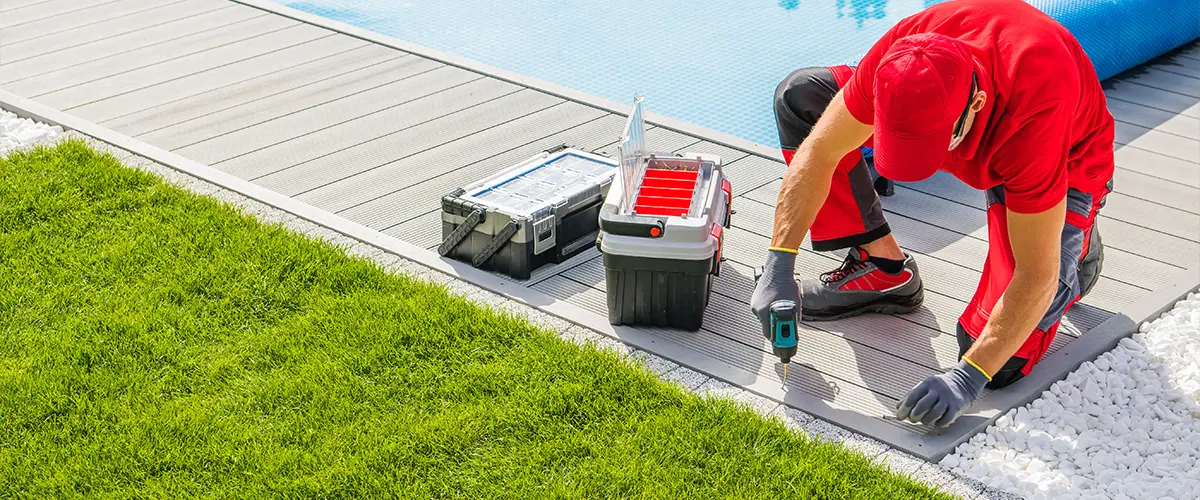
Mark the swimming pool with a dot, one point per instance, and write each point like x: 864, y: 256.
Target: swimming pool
x: 714, y: 63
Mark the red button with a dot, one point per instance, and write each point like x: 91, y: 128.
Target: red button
x: 654, y: 231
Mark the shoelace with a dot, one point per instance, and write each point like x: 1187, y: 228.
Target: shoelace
x: 849, y: 266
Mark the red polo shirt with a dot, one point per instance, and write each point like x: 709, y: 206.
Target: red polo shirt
x: 1046, y: 125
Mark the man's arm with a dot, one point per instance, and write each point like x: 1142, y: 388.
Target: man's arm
x: 1036, y: 240
x: 807, y: 179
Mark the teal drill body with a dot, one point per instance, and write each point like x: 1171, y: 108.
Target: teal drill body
x: 783, y: 330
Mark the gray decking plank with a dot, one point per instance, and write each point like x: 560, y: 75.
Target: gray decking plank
x: 424, y: 231
x: 753, y: 172
x: 1150, y: 76
x: 1156, y: 190
x: 207, y: 31
x: 1157, y: 165
x: 218, y: 77
x: 34, y: 12
x: 1159, y: 142
x: 9, y: 5
x: 1181, y: 65
x: 351, y: 148
x: 362, y: 145
x: 1152, y: 97
x: 104, y: 30
x: 728, y: 155
x: 240, y: 96
x: 175, y: 69
x: 287, y: 113
x: 331, y: 90
x: 217, y: 150
x: 836, y: 392
x: 168, y: 25
x: 1157, y: 119
x: 371, y: 200
x: 82, y: 17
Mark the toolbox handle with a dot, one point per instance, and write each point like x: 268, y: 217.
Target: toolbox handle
x: 630, y: 225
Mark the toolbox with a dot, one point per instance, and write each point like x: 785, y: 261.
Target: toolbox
x: 661, y: 230
x: 540, y: 211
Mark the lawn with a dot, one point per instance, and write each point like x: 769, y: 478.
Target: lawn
x: 159, y: 344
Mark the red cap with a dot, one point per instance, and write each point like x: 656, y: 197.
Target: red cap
x: 921, y: 88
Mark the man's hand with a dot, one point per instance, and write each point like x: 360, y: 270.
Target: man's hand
x: 777, y: 282
x: 940, y: 399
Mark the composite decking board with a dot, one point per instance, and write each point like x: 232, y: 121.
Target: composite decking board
x: 1180, y: 84
x: 752, y: 172
x: 1156, y: 190
x: 1171, y: 123
x: 1181, y: 66
x: 79, y: 18
x: 8, y: 5
x: 149, y: 96
x: 215, y: 125
x: 205, y: 32
x: 35, y: 12
x: 370, y: 200
x: 160, y: 26
x: 218, y: 150
x: 171, y: 71
x: 1152, y: 97
x: 802, y: 376
x: 915, y: 231
x: 1158, y: 165
x: 1175, y: 146
x: 234, y: 99
x: 424, y: 231
x: 315, y: 160
x: 127, y: 26
x: 1167, y: 220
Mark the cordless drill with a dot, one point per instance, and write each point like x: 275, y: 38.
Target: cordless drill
x: 783, y: 332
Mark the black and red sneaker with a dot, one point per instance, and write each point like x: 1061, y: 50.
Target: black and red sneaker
x: 859, y: 287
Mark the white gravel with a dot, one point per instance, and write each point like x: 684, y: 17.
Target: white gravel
x: 1126, y: 426
x: 18, y: 132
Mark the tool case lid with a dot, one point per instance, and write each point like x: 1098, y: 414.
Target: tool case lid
x: 544, y: 180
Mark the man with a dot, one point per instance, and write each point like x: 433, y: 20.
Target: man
x: 999, y: 95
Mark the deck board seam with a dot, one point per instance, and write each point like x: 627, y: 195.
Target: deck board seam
x: 229, y: 63
x: 1163, y: 153
x: 55, y: 14
x: 1167, y: 68
x: 189, y: 54
x: 343, y: 122
x: 322, y: 103
x: 399, y: 55
x: 239, y: 82
x: 136, y: 48
x: 498, y: 153
x: 93, y: 23
x: 24, y: 6
x: 1161, y: 131
x: 1160, y: 89
x: 331, y: 153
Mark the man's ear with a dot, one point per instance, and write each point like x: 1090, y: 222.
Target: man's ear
x: 979, y: 101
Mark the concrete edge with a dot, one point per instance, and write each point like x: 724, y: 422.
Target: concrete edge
x: 601, y: 103
x: 769, y: 388
x: 1090, y: 346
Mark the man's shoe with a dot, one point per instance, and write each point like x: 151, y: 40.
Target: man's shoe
x: 859, y: 287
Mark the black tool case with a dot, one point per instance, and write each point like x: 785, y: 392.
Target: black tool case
x: 661, y: 233
x: 542, y: 210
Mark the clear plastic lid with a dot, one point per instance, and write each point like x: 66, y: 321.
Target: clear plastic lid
x: 557, y: 177
x: 632, y: 154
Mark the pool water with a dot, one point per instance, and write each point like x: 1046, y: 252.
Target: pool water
x: 714, y: 63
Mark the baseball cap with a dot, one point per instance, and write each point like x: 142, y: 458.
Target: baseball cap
x: 920, y: 87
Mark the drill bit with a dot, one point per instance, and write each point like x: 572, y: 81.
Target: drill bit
x: 785, y: 366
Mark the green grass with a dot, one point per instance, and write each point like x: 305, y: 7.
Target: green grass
x: 155, y: 343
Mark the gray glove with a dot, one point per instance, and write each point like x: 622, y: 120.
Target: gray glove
x: 777, y: 282
x: 940, y: 399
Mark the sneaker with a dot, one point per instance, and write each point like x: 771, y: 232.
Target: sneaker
x: 859, y: 287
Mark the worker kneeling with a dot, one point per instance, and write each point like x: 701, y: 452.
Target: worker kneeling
x: 999, y: 95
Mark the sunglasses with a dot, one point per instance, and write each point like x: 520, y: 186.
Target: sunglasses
x: 962, y: 120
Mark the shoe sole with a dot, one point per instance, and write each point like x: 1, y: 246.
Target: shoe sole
x: 887, y: 305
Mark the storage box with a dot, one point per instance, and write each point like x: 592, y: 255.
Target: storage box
x: 661, y: 232
x: 542, y: 210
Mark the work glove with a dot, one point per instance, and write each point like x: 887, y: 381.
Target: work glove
x: 777, y: 282
x: 940, y: 399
